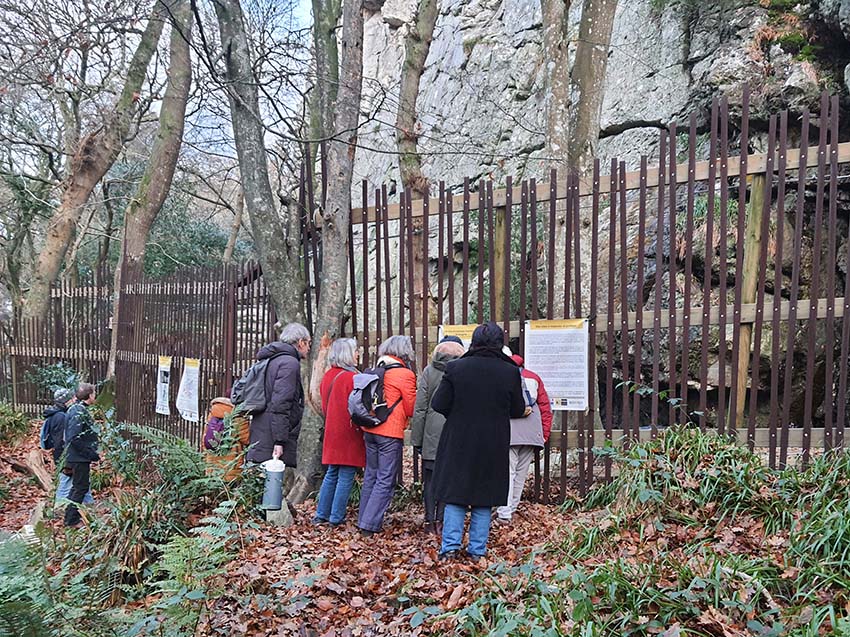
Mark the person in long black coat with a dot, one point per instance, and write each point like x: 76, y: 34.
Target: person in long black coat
x: 479, y: 394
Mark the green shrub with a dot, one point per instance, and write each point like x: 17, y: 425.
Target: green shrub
x: 55, y: 376
x: 14, y: 425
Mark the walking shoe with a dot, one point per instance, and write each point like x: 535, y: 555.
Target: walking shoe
x: 319, y: 522
x: 367, y: 533
x: 503, y: 521
x: 431, y: 528
x: 449, y: 555
x: 474, y: 558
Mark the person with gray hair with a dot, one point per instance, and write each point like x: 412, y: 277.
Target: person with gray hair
x: 343, y: 450
x: 275, y: 430
x: 427, y: 425
x: 384, y: 443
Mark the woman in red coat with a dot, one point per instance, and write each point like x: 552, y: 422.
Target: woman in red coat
x: 343, y: 450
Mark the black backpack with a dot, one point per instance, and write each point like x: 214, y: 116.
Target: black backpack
x: 366, y: 403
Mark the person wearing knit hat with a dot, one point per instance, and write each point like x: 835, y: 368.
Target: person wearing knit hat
x: 479, y: 394
x: 53, y: 438
x: 451, y: 339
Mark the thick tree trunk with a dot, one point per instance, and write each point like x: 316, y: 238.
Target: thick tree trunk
x: 277, y: 241
x: 588, y: 79
x: 325, y: 18
x: 416, y: 48
x: 156, y: 181
x: 556, y: 53
x: 95, y: 155
x: 234, y: 229
x: 336, y: 218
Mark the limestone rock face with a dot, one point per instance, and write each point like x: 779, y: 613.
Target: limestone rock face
x: 481, y: 102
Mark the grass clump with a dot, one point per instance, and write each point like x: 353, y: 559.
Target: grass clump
x: 693, y: 535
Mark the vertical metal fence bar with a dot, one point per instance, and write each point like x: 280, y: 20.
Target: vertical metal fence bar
x: 466, y: 204
x: 659, y: 266
x: 491, y: 254
x: 482, y: 212
x: 639, y: 300
x: 674, y: 352
x: 707, y: 267
x: 795, y: 289
x: 441, y: 251
x: 535, y: 250
x: 724, y: 265
x: 401, y: 268
x: 739, y: 266
x: 625, y: 417
x: 506, y: 270
x: 778, y: 262
x: 379, y: 266
x: 388, y: 278
x: 365, y: 277
x: 688, y: 243
x: 593, y: 394
x: 609, y: 332
x: 762, y: 280
x: 829, y: 382
x: 814, y: 290
x: 450, y: 253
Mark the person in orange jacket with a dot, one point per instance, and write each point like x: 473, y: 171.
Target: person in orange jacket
x: 384, y: 443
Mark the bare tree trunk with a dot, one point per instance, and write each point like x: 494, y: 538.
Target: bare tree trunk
x: 588, y: 79
x: 156, y: 181
x: 325, y: 18
x: 103, y: 253
x: 416, y: 48
x: 277, y: 241
x: 234, y: 229
x: 557, y: 57
x: 336, y: 218
x: 96, y: 154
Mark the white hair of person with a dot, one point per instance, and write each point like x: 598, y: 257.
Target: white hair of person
x: 343, y: 353
x: 451, y: 348
x: 399, y: 346
x: 294, y: 332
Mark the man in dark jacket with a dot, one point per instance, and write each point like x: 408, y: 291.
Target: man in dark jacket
x: 81, y: 450
x: 479, y: 394
x: 427, y: 425
x: 274, y: 431
x: 53, y: 438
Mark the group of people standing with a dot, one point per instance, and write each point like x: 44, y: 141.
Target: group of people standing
x: 476, y: 418
x: 70, y: 432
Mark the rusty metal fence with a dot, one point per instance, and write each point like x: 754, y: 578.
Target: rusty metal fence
x: 714, y: 280
x: 715, y: 289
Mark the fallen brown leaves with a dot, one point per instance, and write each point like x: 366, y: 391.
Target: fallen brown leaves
x: 323, y: 581
x: 22, y: 491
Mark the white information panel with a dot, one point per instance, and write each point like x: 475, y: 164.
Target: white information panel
x: 187, y: 395
x: 163, y: 382
x: 558, y: 351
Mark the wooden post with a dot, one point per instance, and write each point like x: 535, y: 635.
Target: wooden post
x: 749, y: 284
x: 500, y: 255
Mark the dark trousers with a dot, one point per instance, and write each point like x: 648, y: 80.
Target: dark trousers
x: 433, y: 509
x: 79, y: 488
x: 379, y: 479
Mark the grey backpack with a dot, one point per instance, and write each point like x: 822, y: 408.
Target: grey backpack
x: 249, y: 392
x: 366, y: 402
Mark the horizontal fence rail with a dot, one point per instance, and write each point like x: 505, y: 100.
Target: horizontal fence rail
x: 715, y: 287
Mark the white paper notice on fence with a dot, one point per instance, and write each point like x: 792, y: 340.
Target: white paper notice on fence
x: 187, y: 395
x: 163, y: 383
x: 557, y: 351
x: 463, y: 332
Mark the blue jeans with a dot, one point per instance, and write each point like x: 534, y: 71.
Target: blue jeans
x: 63, y: 490
x: 479, y: 529
x: 379, y: 479
x: 333, y: 496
